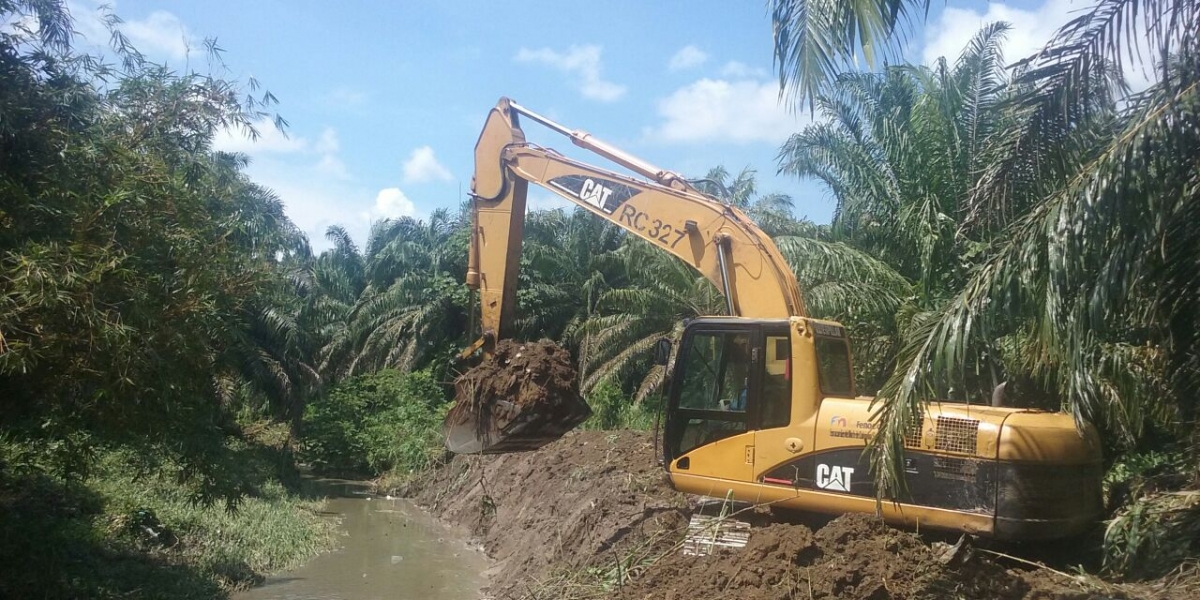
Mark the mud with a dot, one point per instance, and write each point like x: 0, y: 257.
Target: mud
x: 524, y: 373
x: 522, y: 398
x: 591, y: 516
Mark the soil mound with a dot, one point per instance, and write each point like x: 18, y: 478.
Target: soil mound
x: 591, y: 516
x: 524, y: 397
x: 853, y: 556
x: 523, y: 373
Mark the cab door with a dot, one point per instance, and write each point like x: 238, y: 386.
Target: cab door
x: 708, y: 430
x: 777, y: 439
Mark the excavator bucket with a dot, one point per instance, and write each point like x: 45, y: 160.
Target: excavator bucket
x: 521, y: 399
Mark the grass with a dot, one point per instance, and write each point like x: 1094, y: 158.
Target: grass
x: 129, y: 531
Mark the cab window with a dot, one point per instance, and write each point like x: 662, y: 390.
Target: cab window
x: 716, y: 373
x: 714, y: 391
x: 776, y: 396
x: 833, y: 364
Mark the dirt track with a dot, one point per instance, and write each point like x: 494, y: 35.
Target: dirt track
x: 590, y: 516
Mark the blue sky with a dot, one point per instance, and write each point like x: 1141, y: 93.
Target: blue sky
x: 385, y: 101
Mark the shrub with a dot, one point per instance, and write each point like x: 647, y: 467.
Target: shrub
x: 612, y: 409
x: 375, y: 423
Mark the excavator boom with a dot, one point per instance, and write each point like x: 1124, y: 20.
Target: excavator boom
x: 717, y: 239
x: 664, y: 209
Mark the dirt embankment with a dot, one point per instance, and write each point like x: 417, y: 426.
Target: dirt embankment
x: 590, y: 516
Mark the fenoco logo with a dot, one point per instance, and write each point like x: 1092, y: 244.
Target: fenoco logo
x: 837, y: 421
x: 834, y: 477
x: 603, y: 194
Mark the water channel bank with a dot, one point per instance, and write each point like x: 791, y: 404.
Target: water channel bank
x: 389, y: 548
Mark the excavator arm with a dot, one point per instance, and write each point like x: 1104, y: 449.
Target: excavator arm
x: 718, y: 240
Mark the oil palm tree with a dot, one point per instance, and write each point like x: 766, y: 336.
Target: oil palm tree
x: 567, y: 265
x: 615, y: 342
x: 1086, y: 200
x: 412, y: 305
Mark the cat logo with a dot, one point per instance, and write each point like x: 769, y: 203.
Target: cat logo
x: 594, y: 193
x: 834, y: 478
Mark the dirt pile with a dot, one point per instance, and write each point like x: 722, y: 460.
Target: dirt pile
x: 524, y: 397
x: 591, y: 516
x: 853, y: 556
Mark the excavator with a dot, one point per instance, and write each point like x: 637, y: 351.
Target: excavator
x: 761, y: 404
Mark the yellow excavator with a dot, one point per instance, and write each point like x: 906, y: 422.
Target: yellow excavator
x: 761, y: 404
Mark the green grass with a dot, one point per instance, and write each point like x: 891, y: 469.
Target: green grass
x: 132, y: 528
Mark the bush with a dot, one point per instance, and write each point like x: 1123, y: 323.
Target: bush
x: 1156, y: 525
x: 375, y: 423
x: 132, y: 527
x: 612, y: 409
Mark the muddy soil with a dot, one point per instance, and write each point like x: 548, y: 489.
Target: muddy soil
x: 590, y: 516
x: 524, y: 373
x: 522, y: 398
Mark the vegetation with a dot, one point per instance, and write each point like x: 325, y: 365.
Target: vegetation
x: 133, y: 528
x: 145, y: 304
x: 1028, y: 222
x: 1075, y: 221
x: 371, y: 424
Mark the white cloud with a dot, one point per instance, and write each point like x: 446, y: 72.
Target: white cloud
x: 583, y: 63
x: 1031, y: 30
x: 547, y: 201
x: 743, y: 111
x: 740, y: 70
x: 422, y: 166
x: 332, y: 165
x: 328, y: 142
x: 314, y: 199
x: 688, y: 56
x: 159, y: 36
x: 161, y: 33
x: 270, y: 140
x: 391, y: 203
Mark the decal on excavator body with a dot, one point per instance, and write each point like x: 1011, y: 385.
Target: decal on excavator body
x: 603, y: 194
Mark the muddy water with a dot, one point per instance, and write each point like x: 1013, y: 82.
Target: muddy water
x: 389, y: 549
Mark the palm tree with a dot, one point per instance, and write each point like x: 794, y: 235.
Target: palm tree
x: 411, y: 307
x: 899, y: 150
x: 772, y: 212
x: 567, y: 264
x: 1098, y: 262
x: 615, y: 342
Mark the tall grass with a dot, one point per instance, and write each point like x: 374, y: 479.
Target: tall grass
x: 134, y: 528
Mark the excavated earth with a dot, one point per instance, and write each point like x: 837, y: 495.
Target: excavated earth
x: 591, y: 516
x: 523, y: 373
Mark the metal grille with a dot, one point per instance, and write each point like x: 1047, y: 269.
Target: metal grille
x: 957, y: 435
x: 912, y: 434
